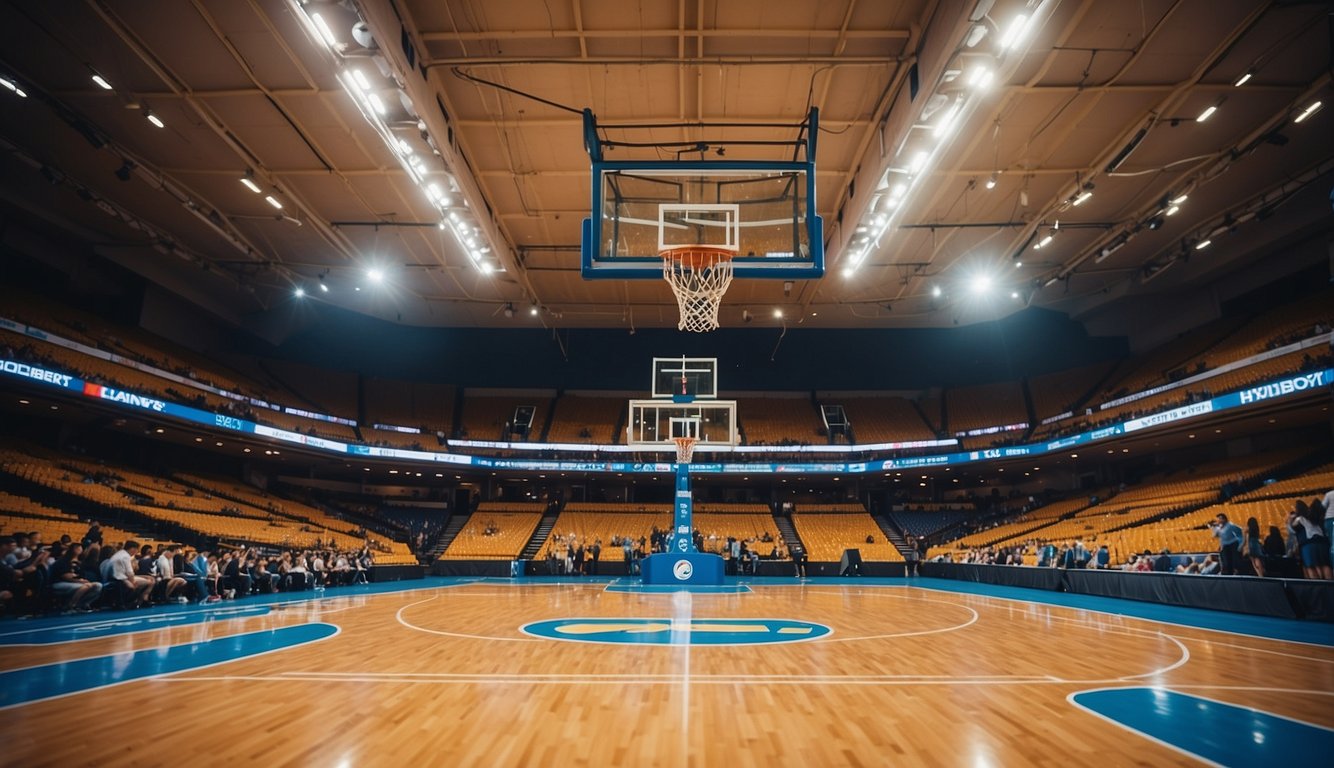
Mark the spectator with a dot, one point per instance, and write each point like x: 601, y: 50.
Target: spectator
x: 68, y: 583
x: 137, y: 589
x: 166, y: 573
x: 1306, y: 522
x: 1163, y: 563
x: 1254, y: 547
x: 1102, y: 558
x: 1274, y: 546
x: 1229, y: 537
x: 1211, y: 565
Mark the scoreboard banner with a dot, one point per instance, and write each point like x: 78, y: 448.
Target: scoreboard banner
x: 50, y: 378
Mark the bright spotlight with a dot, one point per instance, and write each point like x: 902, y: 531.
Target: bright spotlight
x: 778, y: 313
x: 1014, y: 294
x: 375, y: 275
x: 935, y: 291
x: 980, y: 284
x: 299, y: 292
x: 1015, y: 32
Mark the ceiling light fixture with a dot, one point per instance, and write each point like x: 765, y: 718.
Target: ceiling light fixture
x: 273, y: 201
x: 1178, y: 200
x: 1172, y: 211
x: 1311, y: 110
x: 980, y: 78
x: 1015, y: 32
x: 325, y: 32
x: 991, y: 182
x: 1246, y: 76
x: 300, y: 292
x: 360, y: 77
x: 12, y: 86
x: 250, y: 184
x: 1200, y: 246
x: 375, y: 275
x: 101, y: 82
x: 1085, y: 195
x: 1043, y: 243
x: 1207, y: 113
x: 154, y: 119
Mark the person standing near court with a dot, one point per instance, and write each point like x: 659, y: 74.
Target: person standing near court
x: 1328, y: 501
x: 1255, y: 547
x: 1229, y: 543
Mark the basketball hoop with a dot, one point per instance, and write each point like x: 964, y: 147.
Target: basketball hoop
x: 699, y: 276
x: 685, y: 449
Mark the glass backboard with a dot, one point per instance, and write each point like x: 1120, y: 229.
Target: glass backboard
x: 693, y: 377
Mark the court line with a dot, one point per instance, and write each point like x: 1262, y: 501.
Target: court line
x: 1185, y: 658
x: 970, y: 622
x: 1254, y: 688
x: 399, y: 617
x: 315, y: 675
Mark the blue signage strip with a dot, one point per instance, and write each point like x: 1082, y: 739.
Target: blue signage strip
x: 1278, y: 388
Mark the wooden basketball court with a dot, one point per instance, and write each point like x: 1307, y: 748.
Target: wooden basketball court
x: 449, y: 675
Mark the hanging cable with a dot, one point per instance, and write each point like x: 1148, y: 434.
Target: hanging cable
x: 461, y: 74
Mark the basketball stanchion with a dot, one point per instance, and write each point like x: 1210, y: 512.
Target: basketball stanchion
x: 699, y: 276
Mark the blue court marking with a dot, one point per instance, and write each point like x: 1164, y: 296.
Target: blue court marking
x: 50, y: 681
x: 668, y: 589
x: 665, y: 631
x: 126, y: 624
x: 1212, y: 731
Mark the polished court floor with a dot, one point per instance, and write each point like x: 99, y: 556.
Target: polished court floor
x: 775, y: 672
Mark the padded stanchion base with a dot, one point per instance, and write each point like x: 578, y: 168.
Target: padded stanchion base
x: 690, y: 568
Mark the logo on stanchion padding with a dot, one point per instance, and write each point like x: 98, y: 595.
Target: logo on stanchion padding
x: 682, y: 570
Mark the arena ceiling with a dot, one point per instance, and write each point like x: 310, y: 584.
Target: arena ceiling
x: 414, y: 147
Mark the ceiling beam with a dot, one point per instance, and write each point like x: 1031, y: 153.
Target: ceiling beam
x: 622, y: 34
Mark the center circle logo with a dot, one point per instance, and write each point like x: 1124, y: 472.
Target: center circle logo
x: 682, y: 570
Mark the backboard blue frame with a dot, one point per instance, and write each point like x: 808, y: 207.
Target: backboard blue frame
x: 594, y: 267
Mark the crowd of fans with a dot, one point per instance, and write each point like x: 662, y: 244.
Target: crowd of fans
x: 82, y: 576
x: 1308, y: 541
x: 570, y: 555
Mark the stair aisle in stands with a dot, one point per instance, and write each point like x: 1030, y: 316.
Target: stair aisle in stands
x: 892, y: 534
x: 452, y: 528
x: 541, y: 533
x: 789, y: 534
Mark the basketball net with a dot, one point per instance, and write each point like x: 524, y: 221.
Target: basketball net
x: 685, y: 449
x: 699, y: 276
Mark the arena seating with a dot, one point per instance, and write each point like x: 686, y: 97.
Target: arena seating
x: 19, y: 514
x: 779, y: 421
x: 488, y: 418
x: 745, y: 522
x: 234, y: 513
x: 828, y: 529
x: 925, y: 522
x: 985, y: 405
x: 587, y: 419
x: 1056, y: 393
x: 1016, y: 527
x: 425, y: 405
x: 883, y: 419
x: 587, y: 522
x: 496, y: 531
